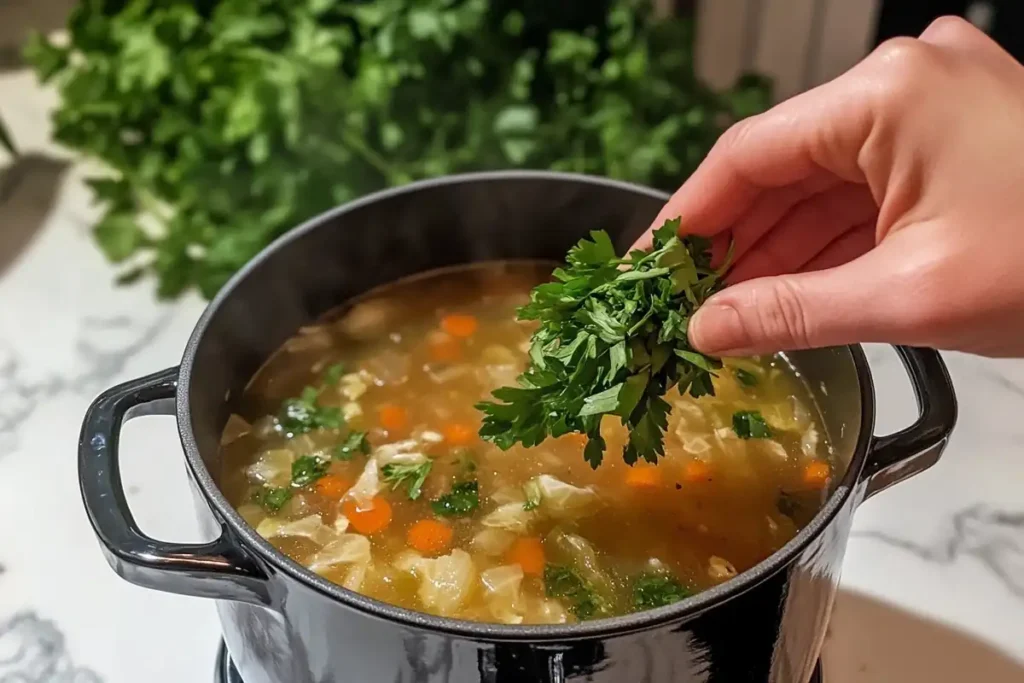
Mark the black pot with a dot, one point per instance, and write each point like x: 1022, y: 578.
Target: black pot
x: 284, y: 624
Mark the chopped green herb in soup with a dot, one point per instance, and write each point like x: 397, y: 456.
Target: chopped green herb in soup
x: 357, y: 454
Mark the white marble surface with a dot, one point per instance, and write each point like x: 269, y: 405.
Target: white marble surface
x: 933, y: 582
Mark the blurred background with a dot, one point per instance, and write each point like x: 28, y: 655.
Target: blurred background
x: 210, y: 127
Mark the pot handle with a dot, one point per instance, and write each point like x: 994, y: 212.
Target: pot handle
x: 218, y: 569
x: 898, y: 456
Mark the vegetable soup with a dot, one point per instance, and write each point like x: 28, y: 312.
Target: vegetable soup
x: 356, y: 453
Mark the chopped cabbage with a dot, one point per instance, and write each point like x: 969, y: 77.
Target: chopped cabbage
x: 341, y: 523
x: 311, y: 527
x: 503, y: 593
x: 511, y: 517
x: 272, y: 468
x: 547, y: 611
x: 351, y: 411
x: 368, y: 484
x: 564, y: 501
x: 492, y: 542
x: 353, y: 385
x: 399, y: 453
x: 583, y: 558
x: 773, y: 449
x: 720, y: 569
x: 445, y: 582
x: 346, y: 549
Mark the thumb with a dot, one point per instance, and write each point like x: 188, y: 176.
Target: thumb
x: 870, y: 299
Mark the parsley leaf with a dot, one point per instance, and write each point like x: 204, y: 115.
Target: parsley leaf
x: 354, y: 443
x: 333, y: 373
x: 272, y: 498
x: 611, y: 341
x: 305, y: 414
x: 656, y: 590
x: 462, y: 500
x: 565, y: 583
x: 398, y: 474
x: 308, y: 468
x: 229, y: 123
x: 749, y: 424
x: 745, y: 377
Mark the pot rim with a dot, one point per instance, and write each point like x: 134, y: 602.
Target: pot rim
x: 550, y: 634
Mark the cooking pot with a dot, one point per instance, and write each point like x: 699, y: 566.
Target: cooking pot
x: 284, y: 624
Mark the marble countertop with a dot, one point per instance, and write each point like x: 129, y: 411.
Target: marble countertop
x: 933, y: 585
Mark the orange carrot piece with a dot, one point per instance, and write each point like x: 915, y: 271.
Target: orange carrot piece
x: 368, y: 520
x: 429, y: 536
x: 528, y: 553
x: 392, y: 417
x: 458, y: 434
x: 459, y: 325
x: 643, y: 477
x: 817, y: 473
x: 696, y: 471
x: 332, y: 486
x: 445, y: 349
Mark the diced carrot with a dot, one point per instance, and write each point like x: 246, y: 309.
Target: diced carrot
x: 429, y: 536
x: 458, y: 434
x: 459, y: 325
x: 528, y: 553
x: 643, y: 477
x: 696, y: 471
x: 392, y: 417
x: 369, y: 519
x: 445, y: 349
x: 332, y: 486
x: 817, y: 473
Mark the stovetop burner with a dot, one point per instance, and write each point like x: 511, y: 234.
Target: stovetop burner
x: 226, y: 672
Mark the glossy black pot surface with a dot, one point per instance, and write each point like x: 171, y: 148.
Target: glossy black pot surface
x: 284, y: 624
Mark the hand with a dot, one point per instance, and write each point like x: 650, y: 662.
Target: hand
x: 884, y: 206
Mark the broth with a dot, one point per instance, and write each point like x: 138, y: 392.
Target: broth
x: 355, y: 452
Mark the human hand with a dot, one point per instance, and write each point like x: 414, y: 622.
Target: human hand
x: 884, y: 206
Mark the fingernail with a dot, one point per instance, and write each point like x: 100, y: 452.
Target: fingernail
x: 718, y: 329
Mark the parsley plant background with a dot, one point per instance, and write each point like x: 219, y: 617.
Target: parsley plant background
x: 224, y: 123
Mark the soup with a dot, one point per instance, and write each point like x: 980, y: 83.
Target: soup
x: 355, y: 453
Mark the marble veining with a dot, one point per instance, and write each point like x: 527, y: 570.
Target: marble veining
x: 102, y: 348
x: 33, y: 650
x: 994, y: 537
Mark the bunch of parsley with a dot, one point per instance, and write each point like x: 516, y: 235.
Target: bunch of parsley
x: 224, y: 123
x: 612, y: 341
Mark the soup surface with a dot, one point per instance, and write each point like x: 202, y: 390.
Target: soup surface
x: 355, y: 452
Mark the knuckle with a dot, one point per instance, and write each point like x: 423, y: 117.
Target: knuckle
x: 902, y: 67
x: 950, y: 29
x: 782, y: 316
x: 736, y: 134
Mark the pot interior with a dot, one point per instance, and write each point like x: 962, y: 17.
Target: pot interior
x: 375, y: 241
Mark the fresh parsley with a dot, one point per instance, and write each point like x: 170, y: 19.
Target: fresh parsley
x: 566, y: 584
x: 462, y: 500
x: 656, y: 590
x: 611, y: 341
x: 354, y: 443
x: 745, y: 377
x: 398, y: 474
x: 333, y: 373
x: 227, y: 123
x: 306, y: 469
x: 305, y: 414
x: 272, y: 498
x: 749, y: 424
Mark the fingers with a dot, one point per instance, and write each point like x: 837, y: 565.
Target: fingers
x: 847, y: 247
x: 805, y: 231
x: 850, y: 303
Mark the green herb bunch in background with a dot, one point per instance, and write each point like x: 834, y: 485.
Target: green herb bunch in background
x: 226, y: 122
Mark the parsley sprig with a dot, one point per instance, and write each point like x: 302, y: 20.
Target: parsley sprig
x: 612, y: 341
